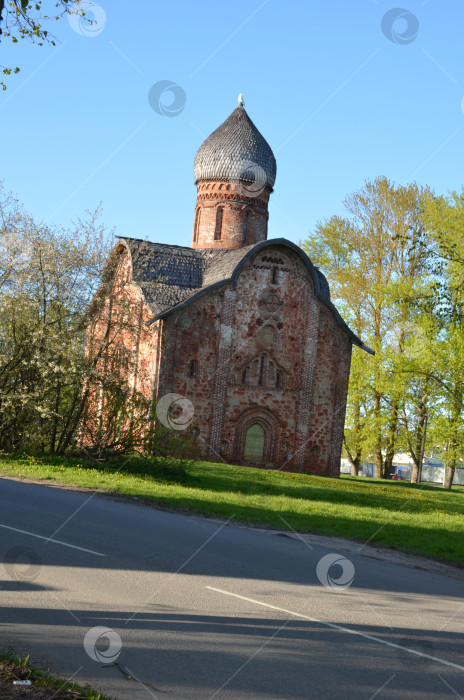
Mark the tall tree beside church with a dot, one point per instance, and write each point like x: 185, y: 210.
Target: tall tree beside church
x: 445, y: 218
x: 375, y: 258
x: 47, y: 279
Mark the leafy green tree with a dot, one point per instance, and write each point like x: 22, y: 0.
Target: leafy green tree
x: 68, y: 328
x: 445, y: 218
x: 47, y: 280
x: 24, y: 19
x: 375, y: 259
x: 414, y: 365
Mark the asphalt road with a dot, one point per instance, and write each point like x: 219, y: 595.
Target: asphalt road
x: 202, y: 609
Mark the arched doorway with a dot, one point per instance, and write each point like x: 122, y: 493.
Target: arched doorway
x: 254, y: 443
x: 255, y: 438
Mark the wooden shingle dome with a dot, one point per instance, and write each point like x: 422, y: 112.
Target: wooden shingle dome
x: 236, y: 150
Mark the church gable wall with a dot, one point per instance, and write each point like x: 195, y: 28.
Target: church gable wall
x: 267, y: 355
x: 263, y: 351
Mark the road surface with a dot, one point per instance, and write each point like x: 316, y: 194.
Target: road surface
x: 194, y: 608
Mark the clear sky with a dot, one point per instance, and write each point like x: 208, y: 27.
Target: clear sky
x: 338, y: 99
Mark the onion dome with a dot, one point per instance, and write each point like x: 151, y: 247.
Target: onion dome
x: 236, y: 151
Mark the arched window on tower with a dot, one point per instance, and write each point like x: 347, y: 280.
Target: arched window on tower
x: 196, y: 227
x: 247, y: 227
x: 274, y: 275
x: 193, y: 368
x: 218, y: 229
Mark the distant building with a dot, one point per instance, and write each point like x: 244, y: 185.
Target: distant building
x: 433, y: 470
x: 241, y: 325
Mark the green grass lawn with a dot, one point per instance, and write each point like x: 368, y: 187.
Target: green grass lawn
x: 422, y: 519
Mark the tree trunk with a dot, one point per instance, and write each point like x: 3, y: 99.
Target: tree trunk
x: 354, y: 454
x: 449, y: 477
x: 378, y: 458
x: 415, y: 472
x: 417, y: 451
x: 55, y: 416
x: 391, y: 439
x: 455, y: 421
x: 354, y: 460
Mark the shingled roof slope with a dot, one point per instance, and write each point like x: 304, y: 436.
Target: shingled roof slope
x: 171, y: 276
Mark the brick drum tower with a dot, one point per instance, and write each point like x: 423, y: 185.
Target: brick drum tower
x: 235, y: 171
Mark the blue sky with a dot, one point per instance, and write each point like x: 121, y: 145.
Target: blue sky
x: 338, y: 101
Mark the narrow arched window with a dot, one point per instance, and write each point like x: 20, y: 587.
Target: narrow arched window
x: 247, y: 227
x: 278, y: 380
x: 218, y: 229
x: 261, y: 370
x: 192, y: 368
x: 274, y: 275
x: 196, y: 227
x: 245, y: 376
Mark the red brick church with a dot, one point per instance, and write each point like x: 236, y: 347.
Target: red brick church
x: 240, y: 325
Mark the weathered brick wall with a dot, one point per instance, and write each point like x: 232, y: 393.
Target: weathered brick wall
x: 270, y: 321
x: 120, y: 344
x: 329, y: 398
x: 244, y: 214
x: 341, y: 392
x: 266, y: 351
x: 192, y: 335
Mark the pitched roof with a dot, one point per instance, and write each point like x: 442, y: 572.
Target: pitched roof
x: 172, y: 276
x: 236, y: 150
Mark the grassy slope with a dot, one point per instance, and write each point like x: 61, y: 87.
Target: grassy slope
x: 43, y: 685
x: 421, y: 519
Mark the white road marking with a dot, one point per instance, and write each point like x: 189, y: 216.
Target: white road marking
x: 334, y: 626
x: 47, y: 539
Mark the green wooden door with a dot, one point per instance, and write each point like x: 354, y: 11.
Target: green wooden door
x: 254, y: 444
